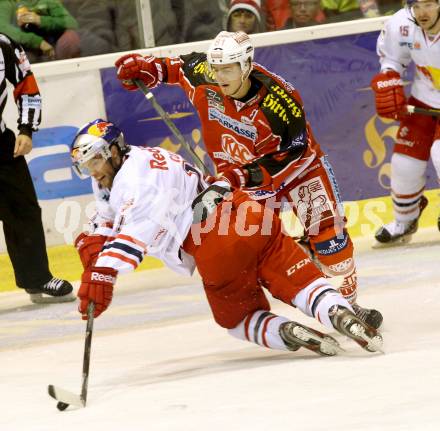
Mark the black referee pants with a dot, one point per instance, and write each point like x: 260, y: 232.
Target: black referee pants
x: 21, y: 217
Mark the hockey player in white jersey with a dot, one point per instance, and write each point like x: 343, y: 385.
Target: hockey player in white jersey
x: 152, y: 201
x: 410, y: 35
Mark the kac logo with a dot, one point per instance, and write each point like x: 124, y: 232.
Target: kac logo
x: 237, y: 151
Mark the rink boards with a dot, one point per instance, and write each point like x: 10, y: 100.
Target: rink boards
x: 331, y: 66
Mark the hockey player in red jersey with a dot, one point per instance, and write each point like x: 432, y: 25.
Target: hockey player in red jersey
x: 151, y: 201
x: 254, y: 129
x: 410, y: 35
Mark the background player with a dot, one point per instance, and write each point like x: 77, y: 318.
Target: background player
x: 410, y: 35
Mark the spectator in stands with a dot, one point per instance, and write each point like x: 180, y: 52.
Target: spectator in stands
x: 277, y: 13
x: 164, y: 14
x: 112, y: 25
x: 95, y: 25
x: 345, y: 10
x: 389, y: 7
x: 200, y: 19
x: 126, y: 24
x: 305, y: 13
x: 43, y: 27
x: 245, y: 15
x: 105, y: 25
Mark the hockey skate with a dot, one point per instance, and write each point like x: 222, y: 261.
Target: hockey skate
x: 350, y: 325
x: 296, y: 335
x: 53, y: 292
x: 398, y: 233
x: 369, y: 316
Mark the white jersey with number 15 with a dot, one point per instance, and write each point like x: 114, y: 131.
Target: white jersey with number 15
x: 403, y: 41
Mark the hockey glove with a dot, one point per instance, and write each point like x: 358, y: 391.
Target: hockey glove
x: 89, y: 247
x: 390, y: 97
x: 96, y: 286
x: 206, y: 202
x: 134, y: 66
x: 236, y: 176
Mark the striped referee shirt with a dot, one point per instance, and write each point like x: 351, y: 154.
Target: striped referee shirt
x: 15, y: 67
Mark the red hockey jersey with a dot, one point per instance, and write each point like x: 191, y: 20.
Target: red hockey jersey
x: 269, y: 129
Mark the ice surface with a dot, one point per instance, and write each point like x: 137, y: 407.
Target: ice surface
x: 159, y: 362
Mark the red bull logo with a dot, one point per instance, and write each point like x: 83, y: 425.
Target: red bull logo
x: 98, y: 129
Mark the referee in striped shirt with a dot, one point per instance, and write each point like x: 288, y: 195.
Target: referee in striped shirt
x: 19, y: 209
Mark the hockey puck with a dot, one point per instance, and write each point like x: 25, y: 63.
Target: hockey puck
x: 62, y: 406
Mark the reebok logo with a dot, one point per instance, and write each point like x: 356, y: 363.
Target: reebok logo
x: 390, y: 83
x: 107, y: 278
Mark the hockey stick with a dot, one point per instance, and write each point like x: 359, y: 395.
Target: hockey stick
x: 423, y: 111
x: 167, y: 120
x: 66, y: 398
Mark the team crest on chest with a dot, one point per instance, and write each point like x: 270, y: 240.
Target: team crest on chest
x: 234, y: 151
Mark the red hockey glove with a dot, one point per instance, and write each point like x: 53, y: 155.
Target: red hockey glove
x: 89, y: 246
x: 390, y: 97
x: 236, y: 176
x: 96, y: 286
x: 134, y: 66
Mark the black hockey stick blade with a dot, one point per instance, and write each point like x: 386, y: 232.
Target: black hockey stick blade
x: 66, y: 398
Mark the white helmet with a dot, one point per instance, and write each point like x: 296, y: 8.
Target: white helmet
x: 229, y: 47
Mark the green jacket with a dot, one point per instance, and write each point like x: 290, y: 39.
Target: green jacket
x: 340, y: 5
x: 54, y: 18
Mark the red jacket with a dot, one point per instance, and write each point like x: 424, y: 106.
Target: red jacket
x: 278, y: 13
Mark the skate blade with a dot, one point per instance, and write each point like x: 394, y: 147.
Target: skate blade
x: 65, y: 397
x: 326, y: 347
x: 40, y: 298
x: 374, y: 344
x: 397, y: 243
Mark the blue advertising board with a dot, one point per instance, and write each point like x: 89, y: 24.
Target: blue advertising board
x: 333, y: 77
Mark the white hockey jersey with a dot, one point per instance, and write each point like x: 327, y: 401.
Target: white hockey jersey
x: 403, y: 41
x: 148, y: 210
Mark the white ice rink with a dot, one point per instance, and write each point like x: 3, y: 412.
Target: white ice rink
x: 160, y: 363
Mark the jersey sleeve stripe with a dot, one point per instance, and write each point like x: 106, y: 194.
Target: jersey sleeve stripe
x: 119, y: 256
x: 133, y: 240
x: 124, y: 247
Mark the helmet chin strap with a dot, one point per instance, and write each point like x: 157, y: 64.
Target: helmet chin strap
x: 244, y: 78
x: 112, y: 162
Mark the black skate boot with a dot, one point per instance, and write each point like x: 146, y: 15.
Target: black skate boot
x: 54, y: 291
x: 397, y: 233
x: 296, y: 335
x: 350, y: 325
x: 370, y: 316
